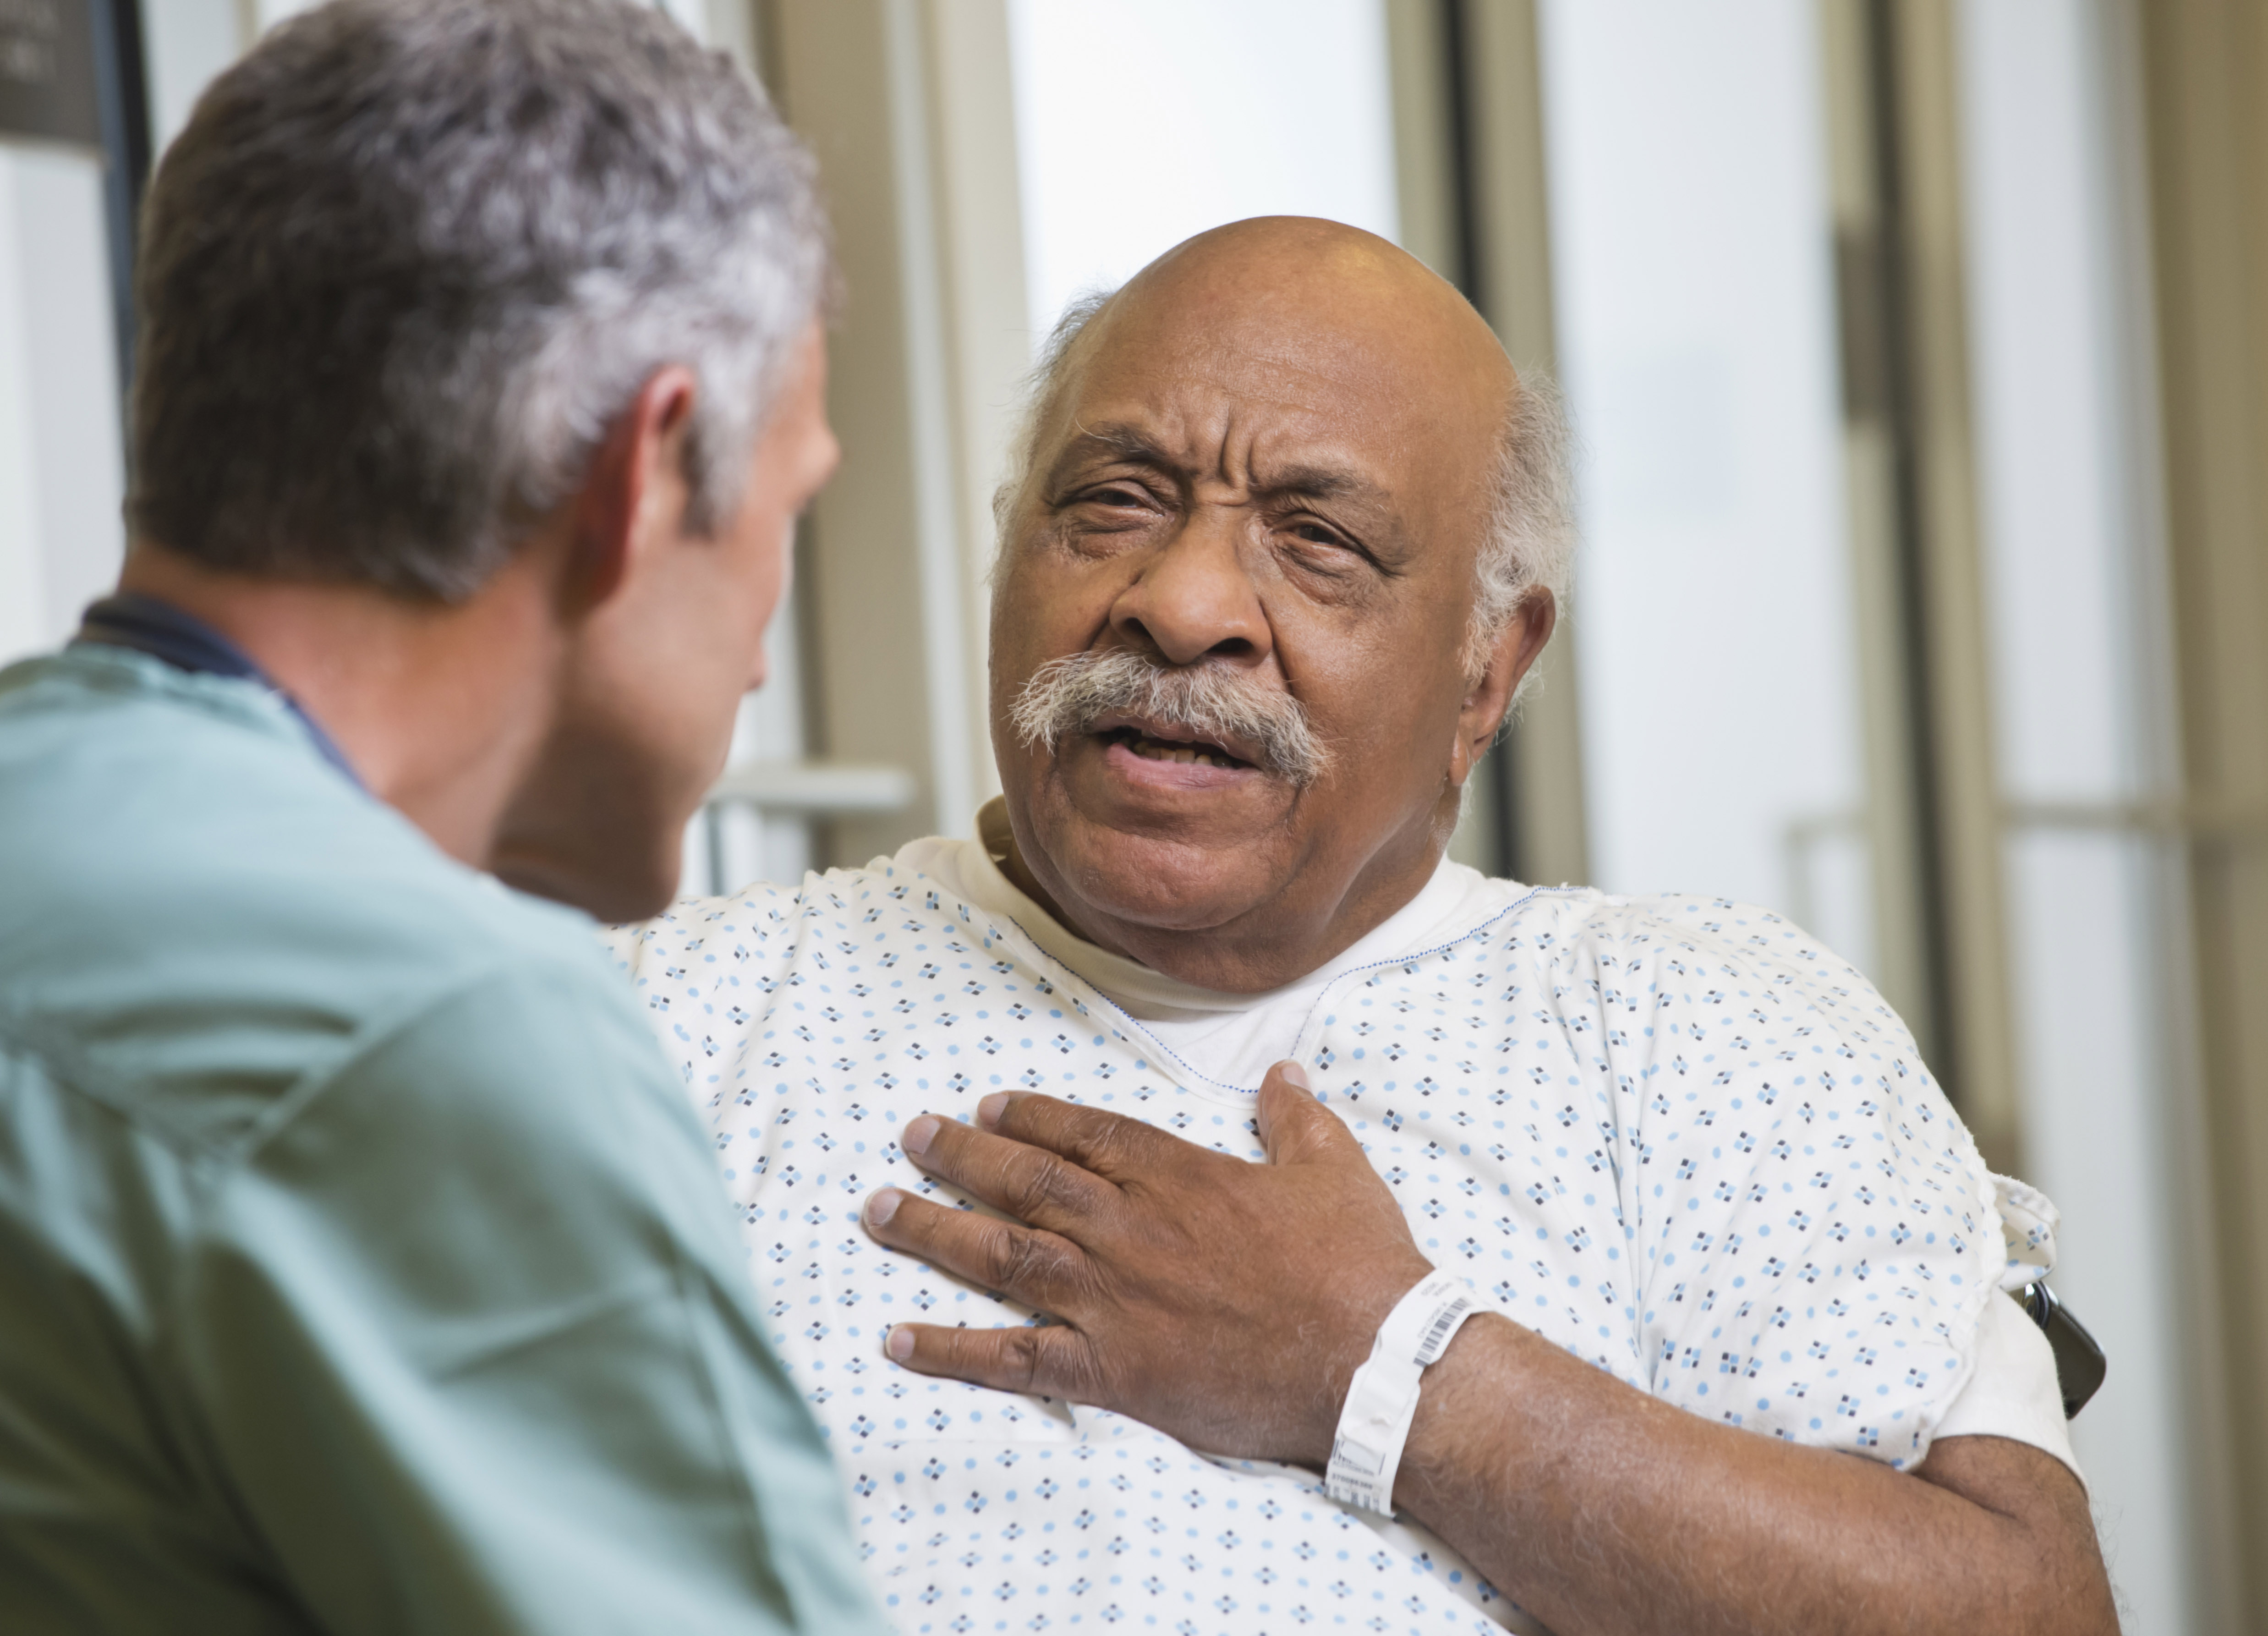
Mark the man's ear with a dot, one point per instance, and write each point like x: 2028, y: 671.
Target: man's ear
x: 635, y: 490
x: 1511, y: 656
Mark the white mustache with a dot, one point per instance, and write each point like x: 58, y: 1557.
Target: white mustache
x: 1066, y: 697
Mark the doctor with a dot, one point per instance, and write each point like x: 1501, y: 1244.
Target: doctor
x: 361, y: 1269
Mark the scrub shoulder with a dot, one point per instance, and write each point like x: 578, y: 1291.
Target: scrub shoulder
x: 412, y: 1288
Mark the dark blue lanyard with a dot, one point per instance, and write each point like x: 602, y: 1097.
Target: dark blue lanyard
x: 165, y: 632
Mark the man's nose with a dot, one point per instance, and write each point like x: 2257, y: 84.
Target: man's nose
x: 1194, y: 598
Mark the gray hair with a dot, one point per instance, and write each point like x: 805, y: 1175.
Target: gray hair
x: 411, y: 259
x: 1529, y: 544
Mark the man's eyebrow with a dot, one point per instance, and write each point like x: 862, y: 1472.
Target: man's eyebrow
x: 1316, y: 482
x: 1118, y: 439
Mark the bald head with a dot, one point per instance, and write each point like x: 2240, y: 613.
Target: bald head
x: 1392, y: 332
x: 1296, y: 285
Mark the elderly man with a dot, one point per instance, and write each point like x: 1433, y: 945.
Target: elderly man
x: 361, y: 1268
x: 1624, y: 1271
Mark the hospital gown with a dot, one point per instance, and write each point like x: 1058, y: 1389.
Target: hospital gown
x: 1674, y: 1135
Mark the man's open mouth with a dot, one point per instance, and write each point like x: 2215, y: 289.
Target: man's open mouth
x: 1152, y: 749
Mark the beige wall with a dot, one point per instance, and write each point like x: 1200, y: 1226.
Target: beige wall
x: 2206, y: 96
x: 906, y: 104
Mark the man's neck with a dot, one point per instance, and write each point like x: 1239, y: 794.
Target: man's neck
x: 438, y: 708
x: 1263, y: 950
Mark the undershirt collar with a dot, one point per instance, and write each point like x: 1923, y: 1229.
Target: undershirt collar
x: 1452, y: 902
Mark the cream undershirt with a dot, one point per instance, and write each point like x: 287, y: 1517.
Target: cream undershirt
x: 1234, y: 1038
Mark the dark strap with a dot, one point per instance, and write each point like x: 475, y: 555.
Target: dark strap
x: 147, y: 625
x: 2080, y: 1363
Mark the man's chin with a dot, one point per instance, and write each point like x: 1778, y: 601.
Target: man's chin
x: 1165, y: 878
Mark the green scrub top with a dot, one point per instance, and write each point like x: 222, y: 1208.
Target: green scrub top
x: 361, y: 1265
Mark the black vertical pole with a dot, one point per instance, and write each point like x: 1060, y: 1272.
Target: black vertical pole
x: 1501, y: 767
x: 122, y: 90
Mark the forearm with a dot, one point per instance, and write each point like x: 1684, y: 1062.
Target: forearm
x: 1230, y: 1304
x: 1599, y: 1508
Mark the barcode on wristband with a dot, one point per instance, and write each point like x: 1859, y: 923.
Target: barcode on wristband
x: 1437, y: 1333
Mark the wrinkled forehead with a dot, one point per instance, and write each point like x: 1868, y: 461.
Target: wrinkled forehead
x: 1245, y: 385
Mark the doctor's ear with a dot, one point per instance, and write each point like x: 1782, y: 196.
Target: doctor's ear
x: 636, y: 490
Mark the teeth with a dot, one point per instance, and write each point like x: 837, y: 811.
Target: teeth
x: 1152, y: 749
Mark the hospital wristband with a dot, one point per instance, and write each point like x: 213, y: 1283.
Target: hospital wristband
x: 1381, y: 1400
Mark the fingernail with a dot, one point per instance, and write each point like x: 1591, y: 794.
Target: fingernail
x: 989, y: 1110
x: 1298, y: 1075
x: 920, y: 1134
x: 881, y: 1205
x: 900, y: 1345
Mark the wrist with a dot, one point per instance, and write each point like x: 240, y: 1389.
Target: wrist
x: 1381, y: 1400
x: 1353, y: 1333
x: 1466, y: 1414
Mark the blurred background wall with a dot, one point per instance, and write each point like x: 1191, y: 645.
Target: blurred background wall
x: 1916, y: 350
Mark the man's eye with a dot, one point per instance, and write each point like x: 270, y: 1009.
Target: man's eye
x: 1317, y: 534
x: 1115, y: 495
